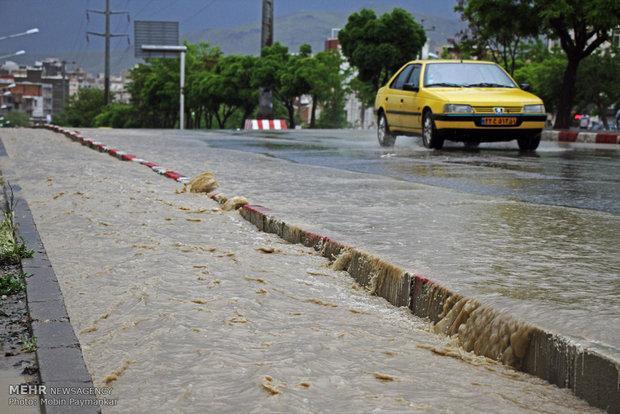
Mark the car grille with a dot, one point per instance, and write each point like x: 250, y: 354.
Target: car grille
x: 491, y: 109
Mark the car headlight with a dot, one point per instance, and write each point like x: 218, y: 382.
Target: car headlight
x: 534, y: 109
x: 458, y: 109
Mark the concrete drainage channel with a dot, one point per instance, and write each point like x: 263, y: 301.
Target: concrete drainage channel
x: 588, y: 372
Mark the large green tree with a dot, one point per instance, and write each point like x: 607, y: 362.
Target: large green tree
x: 498, y: 28
x: 377, y: 47
x: 598, y: 82
x: 543, y: 72
x: 285, y: 75
x: 581, y: 27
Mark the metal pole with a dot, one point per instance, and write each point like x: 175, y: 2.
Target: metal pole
x: 265, y: 100
x: 106, y: 91
x: 182, y: 99
x: 64, y: 84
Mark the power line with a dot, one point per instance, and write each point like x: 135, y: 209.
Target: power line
x: 135, y: 16
x: 197, y: 13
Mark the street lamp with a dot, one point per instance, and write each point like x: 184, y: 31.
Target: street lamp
x: 18, y: 53
x: 27, y: 32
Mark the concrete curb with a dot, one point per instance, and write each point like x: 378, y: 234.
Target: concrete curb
x: 578, y: 136
x: 59, y: 355
x: 588, y: 372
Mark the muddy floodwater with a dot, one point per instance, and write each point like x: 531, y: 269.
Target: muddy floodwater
x: 179, y: 310
x: 552, y: 265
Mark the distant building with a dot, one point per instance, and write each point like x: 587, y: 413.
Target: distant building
x: 34, y: 99
x: 45, y: 87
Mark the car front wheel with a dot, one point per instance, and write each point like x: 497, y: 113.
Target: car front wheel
x: 529, y: 143
x: 430, y: 137
x: 385, y: 137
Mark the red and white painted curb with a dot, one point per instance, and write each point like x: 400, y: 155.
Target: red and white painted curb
x: 266, y: 124
x: 121, y: 155
x: 579, y: 136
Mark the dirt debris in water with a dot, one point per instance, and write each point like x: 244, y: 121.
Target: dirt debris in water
x: 321, y: 303
x: 204, y: 182
x: 384, y: 377
x: 267, y: 250
x: 116, y: 374
x: 234, y: 203
x: 267, y: 384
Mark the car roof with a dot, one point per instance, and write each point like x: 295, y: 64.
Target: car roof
x: 452, y: 61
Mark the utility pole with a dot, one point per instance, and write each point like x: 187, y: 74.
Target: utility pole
x: 107, y: 35
x: 64, y: 81
x: 265, y: 101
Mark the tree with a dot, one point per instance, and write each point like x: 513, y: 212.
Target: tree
x: 17, y: 119
x: 117, y: 115
x: 323, y: 75
x: 598, y: 82
x: 231, y: 88
x: 497, y: 28
x: 378, y: 47
x: 82, y: 108
x: 543, y: 72
x: 581, y: 26
x: 284, y: 75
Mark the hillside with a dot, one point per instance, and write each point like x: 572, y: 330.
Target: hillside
x: 231, y: 24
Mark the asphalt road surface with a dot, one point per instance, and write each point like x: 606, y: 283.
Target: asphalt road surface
x: 576, y: 175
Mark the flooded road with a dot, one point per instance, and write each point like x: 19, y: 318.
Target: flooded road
x: 178, y: 310
x: 581, y: 176
x: 550, y: 265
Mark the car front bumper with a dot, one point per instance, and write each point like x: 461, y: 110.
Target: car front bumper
x: 475, y: 122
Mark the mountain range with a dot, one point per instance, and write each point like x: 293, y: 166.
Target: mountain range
x: 233, y: 25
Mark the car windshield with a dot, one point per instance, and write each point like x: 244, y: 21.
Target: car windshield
x: 466, y: 75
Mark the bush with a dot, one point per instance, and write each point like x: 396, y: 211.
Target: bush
x: 82, y: 109
x: 117, y: 115
x: 11, y: 250
x: 17, y: 119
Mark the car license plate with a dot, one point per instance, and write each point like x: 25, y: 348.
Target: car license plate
x: 499, y: 121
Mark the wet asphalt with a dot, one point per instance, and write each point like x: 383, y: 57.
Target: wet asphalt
x: 584, y: 176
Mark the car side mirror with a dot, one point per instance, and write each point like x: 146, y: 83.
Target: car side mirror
x: 410, y: 87
x: 526, y: 87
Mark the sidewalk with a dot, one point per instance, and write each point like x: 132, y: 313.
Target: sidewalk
x: 177, y: 308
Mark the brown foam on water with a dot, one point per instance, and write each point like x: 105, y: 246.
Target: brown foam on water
x: 234, y: 203
x: 480, y: 329
x: 203, y: 183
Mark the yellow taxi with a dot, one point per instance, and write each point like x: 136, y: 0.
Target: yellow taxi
x: 458, y: 100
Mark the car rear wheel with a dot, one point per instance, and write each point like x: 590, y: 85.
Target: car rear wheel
x: 385, y: 137
x: 529, y: 143
x: 430, y: 137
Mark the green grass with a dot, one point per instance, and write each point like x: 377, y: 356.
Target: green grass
x: 11, y: 284
x: 11, y: 250
x: 29, y: 344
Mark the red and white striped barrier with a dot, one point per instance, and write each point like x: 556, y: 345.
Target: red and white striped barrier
x: 266, y: 124
x: 579, y: 136
x: 121, y: 155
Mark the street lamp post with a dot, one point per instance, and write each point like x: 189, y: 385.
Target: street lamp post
x: 18, y: 53
x: 181, y: 50
x: 27, y: 32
